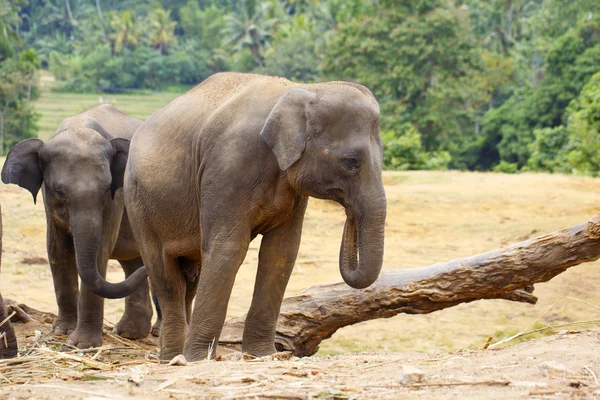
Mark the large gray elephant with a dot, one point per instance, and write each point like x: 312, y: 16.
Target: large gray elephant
x: 80, y: 171
x: 8, y: 340
x: 235, y: 157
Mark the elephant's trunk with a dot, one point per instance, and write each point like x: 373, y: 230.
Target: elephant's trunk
x: 361, y: 252
x: 86, y: 228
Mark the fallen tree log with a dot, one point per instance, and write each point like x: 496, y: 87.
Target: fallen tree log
x: 315, y: 314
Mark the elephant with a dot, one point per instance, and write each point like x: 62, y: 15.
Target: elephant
x: 8, y: 339
x: 237, y: 156
x: 80, y: 171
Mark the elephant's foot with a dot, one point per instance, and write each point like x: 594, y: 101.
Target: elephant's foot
x: 84, y: 339
x: 8, y: 341
x: 200, y: 351
x: 259, y: 350
x: 156, y: 328
x: 133, y: 328
x: 64, y: 325
x: 169, y: 351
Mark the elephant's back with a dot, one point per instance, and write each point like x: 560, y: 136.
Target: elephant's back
x: 175, y: 126
x: 177, y: 138
x: 115, y: 121
x: 111, y: 119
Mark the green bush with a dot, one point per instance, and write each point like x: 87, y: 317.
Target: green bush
x: 405, y: 152
x: 506, y: 167
x: 549, y: 150
x: 584, y: 129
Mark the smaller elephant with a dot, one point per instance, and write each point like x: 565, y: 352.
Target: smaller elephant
x: 8, y: 340
x: 80, y: 171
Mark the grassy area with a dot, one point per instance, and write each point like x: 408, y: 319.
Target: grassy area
x: 54, y: 107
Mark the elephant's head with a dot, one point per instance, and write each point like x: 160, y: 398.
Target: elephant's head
x: 81, y: 170
x: 326, y: 139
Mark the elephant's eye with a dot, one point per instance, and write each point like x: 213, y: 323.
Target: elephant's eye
x: 60, y: 194
x: 350, y: 162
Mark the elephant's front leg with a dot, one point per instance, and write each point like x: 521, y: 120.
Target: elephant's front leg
x: 91, y: 315
x: 61, y: 255
x: 223, y: 255
x: 278, y: 252
x: 135, y: 322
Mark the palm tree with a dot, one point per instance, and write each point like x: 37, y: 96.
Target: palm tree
x: 250, y: 29
x: 9, y: 20
x: 126, y: 30
x: 162, y: 29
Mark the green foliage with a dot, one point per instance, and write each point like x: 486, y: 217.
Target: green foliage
x: 506, y: 167
x: 18, y: 90
x: 570, y: 62
x: 250, y: 29
x: 468, y: 84
x: 405, y: 152
x: 417, y: 58
x: 549, y: 150
x: 293, y: 52
x: 584, y: 129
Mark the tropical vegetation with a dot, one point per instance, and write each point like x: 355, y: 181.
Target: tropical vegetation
x: 504, y: 85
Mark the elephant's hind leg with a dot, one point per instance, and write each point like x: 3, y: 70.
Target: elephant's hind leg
x: 169, y: 285
x: 135, y: 322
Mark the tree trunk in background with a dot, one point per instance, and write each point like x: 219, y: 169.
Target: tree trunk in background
x: 314, y: 315
x: 69, y: 13
x: 99, y: 9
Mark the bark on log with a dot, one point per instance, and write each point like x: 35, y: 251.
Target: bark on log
x: 315, y: 314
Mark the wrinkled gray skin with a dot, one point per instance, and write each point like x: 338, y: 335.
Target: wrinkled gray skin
x: 8, y: 348
x: 236, y: 157
x: 80, y: 170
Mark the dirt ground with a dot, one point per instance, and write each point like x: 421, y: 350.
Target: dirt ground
x: 432, y: 216
x: 564, y: 365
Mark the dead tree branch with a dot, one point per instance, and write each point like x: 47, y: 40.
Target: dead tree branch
x: 315, y: 314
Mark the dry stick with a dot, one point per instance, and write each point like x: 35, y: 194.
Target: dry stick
x: 166, y: 384
x: 122, y: 341
x: 5, y: 320
x: 583, y: 301
x: 592, y: 373
x: 311, y: 316
x: 421, y: 385
x: 83, y: 360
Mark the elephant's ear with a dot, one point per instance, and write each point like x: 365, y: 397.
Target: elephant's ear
x: 118, y: 164
x: 286, y: 128
x: 22, y: 166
